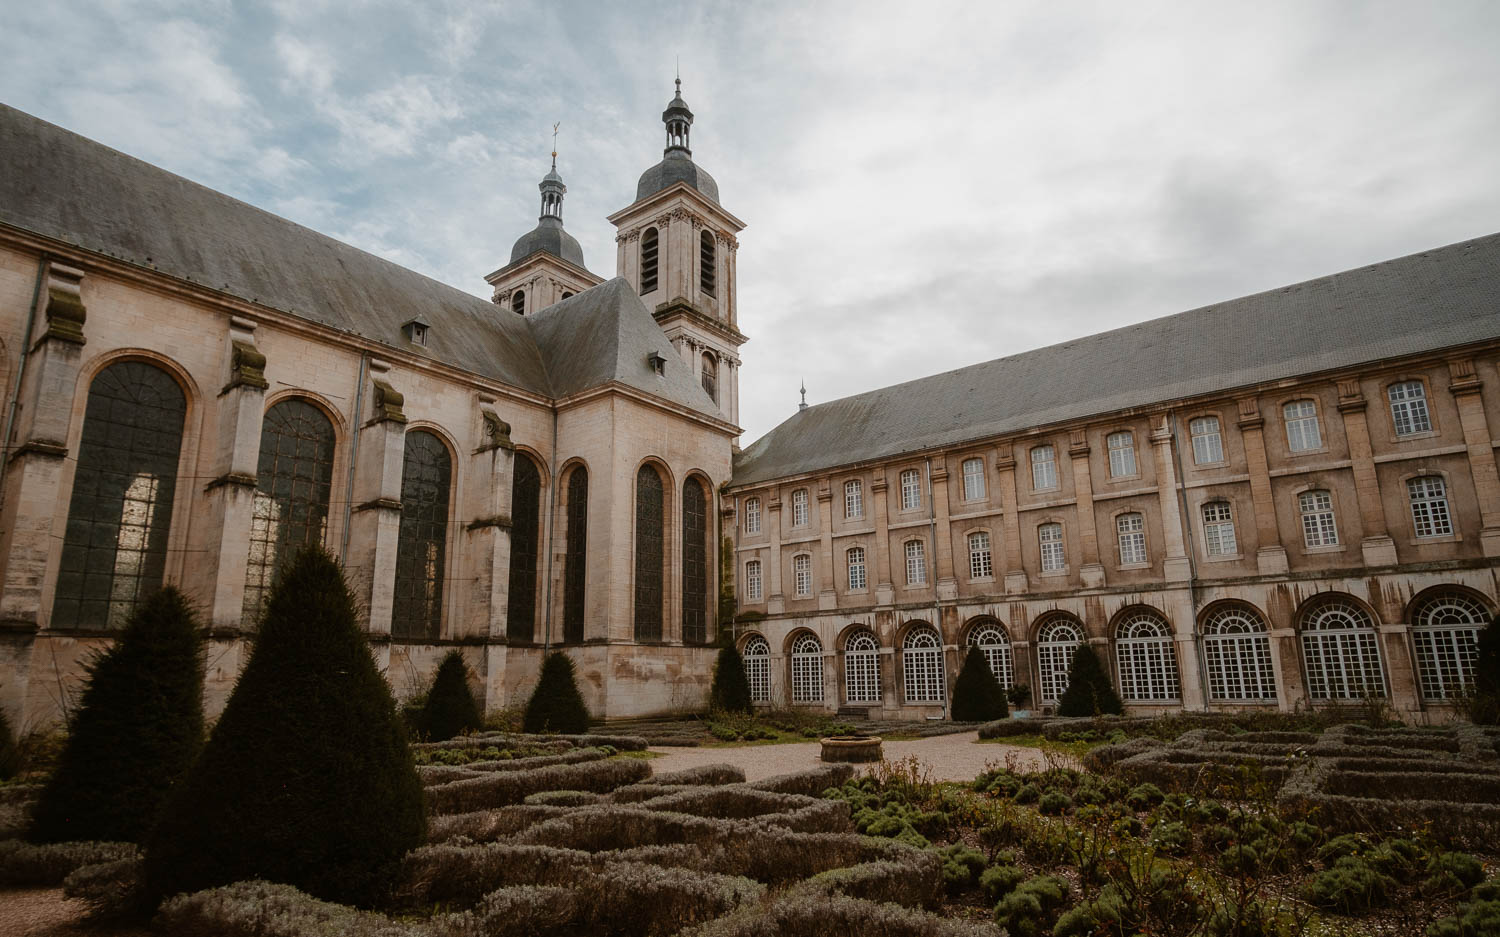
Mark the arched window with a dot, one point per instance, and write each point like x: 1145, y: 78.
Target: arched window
x: 1341, y: 652
x: 711, y: 376
x: 1445, y: 629
x: 294, y: 480
x: 518, y: 302
x: 1147, y: 659
x: 807, y: 669
x: 861, y: 668
x: 991, y: 639
x: 525, y: 543
x: 1130, y: 533
x: 567, y: 294
x: 1237, y: 650
x: 752, y: 581
x: 422, y: 544
x: 650, y: 550
x: 856, y: 560
x: 752, y: 515
x: 706, y: 259
x: 1218, y: 529
x: 694, y: 562
x: 575, y: 570
x: 922, y: 665
x: 648, y: 261
x: 758, y: 668
x: 1056, y: 640
x: 115, y: 545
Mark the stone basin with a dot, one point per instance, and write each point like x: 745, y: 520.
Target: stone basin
x: 851, y: 748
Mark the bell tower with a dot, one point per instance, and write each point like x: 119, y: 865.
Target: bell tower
x: 676, y: 247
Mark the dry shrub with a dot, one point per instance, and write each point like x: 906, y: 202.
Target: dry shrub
x: 27, y: 865
x: 610, y: 826
x: 113, y: 891
x: 670, y: 855
x: 15, y: 819
x: 483, y: 826
x: 442, y: 774
x: 432, y: 775
x: 263, y: 909
x: 736, y: 802
x: 563, y: 798
x: 777, y: 856
x: 818, y: 816
x: 620, y: 743
x: 461, y: 875
x: 701, y: 776
x: 811, y: 782
x: 637, y: 899
x: 811, y: 915
x: 646, y: 790
x: 914, y: 883
x: 500, y: 789
x: 524, y: 911
x: 501, y: 741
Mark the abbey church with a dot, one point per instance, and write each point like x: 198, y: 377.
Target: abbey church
x: 1283, y: 500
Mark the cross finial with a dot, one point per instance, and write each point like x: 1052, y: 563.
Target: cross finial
x: 554, y: 145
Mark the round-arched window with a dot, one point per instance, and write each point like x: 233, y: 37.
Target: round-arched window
x: 1341, y: 651
x: 861, y: 668
x: 1147, y: 659
x: 1056, y: 640
x: 1445, y: 634
x: 922, y: 665
x: 992, y: 641
x: 807, y: 669
x: 1237, y: 651
x: 757, y: 657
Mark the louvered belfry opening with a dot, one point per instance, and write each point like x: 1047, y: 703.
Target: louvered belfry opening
x: 649, y: 251
x: 706, y: 260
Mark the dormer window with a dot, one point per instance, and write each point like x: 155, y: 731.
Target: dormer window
x: 567, y: 294
x: 518, y: 302
x: 415, y: 331
x: 658, y: 363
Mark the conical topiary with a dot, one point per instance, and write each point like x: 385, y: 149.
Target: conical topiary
x: 1089, y: 692
x: 307, y: 778
x: 977, y: 695
x: 137, y: 730
x: 730, y: 692
x: 450, y: 709
x: 556, y: 705
x: 1485, y: 704
x: 10, y: 753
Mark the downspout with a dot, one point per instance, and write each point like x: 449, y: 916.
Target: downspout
x: 1192, y: 553
x: 15, y: 389
x: 937, y: 611
x: 359, y: 401
x: 551, y: 529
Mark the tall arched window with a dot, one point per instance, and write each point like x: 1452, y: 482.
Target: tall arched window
x: 648, y: 261
x: 758, y: 668
x: 922, y: 665
x: 992, y: 641
x: 710, y: 376
x: 694, y: 562
x: 861, y: 668
x: 115, y: 545
x: 525, y: 543
x: 650, y: 550
x: 1147, y: 659
x: 294, y: 480
x: 1056, y: 640
x: 807, y: 669
x: 575, y: 570
x: 706, y: 259
x: 1341, y: 652
x: 1237, y: 650
x: 1445, y: 629
x: 518, y: 302
x: 422, y: 544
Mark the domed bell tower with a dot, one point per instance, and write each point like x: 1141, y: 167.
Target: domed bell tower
x: 676, y: 246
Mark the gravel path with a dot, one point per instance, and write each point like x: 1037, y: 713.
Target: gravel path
x: 44, y: 912
x: 951, y: 757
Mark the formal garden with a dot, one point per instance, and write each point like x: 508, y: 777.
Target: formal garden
x: 315, y: 806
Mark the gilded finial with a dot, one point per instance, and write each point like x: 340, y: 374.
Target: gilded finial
x: 554, y: 145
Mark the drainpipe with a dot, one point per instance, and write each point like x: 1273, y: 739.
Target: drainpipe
x: 551, y: 529
x: 359, y: 401
x: 937, y: 611
x: 1192, y: 553
x: 15, y: 389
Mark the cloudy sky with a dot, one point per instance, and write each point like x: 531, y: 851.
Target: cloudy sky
x: 926, y: 184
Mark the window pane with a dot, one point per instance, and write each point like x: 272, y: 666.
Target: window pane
x: 1043, y: 468
x: 694, y: 562
x: 650, y: 551
x: 973, y: 479
x: 525, y: 543
x: 575, y: 573
x: 856, y: 556
x: 1121, y: 454
x: 854, y: 504
x: 916, y: 563
x: 422, y: 543
x: 911, y: 491
x: 980, y: 563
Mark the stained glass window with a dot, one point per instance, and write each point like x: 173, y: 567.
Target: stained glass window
x: 650, y: 549
x: 694, y: 562
x: 422, y: 546
x: 575, y: 570
x: 525, y: 538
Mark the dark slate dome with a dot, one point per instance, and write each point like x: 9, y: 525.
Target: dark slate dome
x: 549, y: 236
x: 677, y: 167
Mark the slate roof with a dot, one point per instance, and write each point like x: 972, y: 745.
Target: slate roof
x: 68, y: 188
x: 549, y: 236
x: 1435, y: 299
x: 677, y: 167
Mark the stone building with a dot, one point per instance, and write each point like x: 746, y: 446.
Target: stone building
x: 1284, y: 500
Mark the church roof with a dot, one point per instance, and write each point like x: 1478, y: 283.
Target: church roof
x: 677, y: 167
x: 548, y: 236
x: 1435, y: 299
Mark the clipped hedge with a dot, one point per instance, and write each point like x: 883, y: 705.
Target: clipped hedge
x: 112, y: 891
x: 802, y: 914
x: 811, y: 782
x: 914, y: 883
x: 703, y: 775
x: 730, y: 802
x: 263, y: 909
x: 503, y: 788
x: 461, y: 875
x: 25, y: 865
x: 483, y: 826
x: 442, y: 774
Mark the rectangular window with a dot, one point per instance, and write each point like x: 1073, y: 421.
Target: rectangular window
x: 1409, y: 408
x: 1208, y: 446
x: 1429, y: 506
x: 802, y: 574
x: 1131, y: 529
x: 916, y: 563
x: 1301, y: 419
x: 752, y: 515
x: 911, y: 490
x: 973, y: 479
x: 856, y: 557
x: 1051, y: 538
x: 1318, y: 527
x: 1218, y: 529
x: 799, y: 508
x: 1043, y: 468
x: 980, y: 564
x: 752, y: 580
x: 854, y: 499
x: 1121, y: 454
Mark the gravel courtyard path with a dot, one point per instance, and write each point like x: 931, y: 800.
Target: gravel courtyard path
x: 951, y: 757
x: 44, y: 912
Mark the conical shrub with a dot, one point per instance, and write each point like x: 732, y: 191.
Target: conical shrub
x: 10, y: 753
x: 730, y: 692
x: 555, y: 704
x: 306, y: 778
x: 977, y: 695
x: 450, y: 709
x: 1089, y: 691
x: 138, y: 728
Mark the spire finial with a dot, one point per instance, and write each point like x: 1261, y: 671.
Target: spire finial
x: 554, y: 145
x: 803, y: 405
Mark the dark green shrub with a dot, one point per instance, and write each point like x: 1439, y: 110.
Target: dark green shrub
x: 1089, y: 692
x: 1346, y: 844
x: 450, y: 708
x: 1479, y: 917
x: 1352, y: 885
x: 10, y: 754
x: 1055, y: 802
x: 962, y: 866
x: 1019, y: 695
x: 1027, y: 793
x: 730, y: 692
x: 1172, y: 838
x: 556, y: 705
x: 1031, y: 906
x: 999, y: 880
x: 1452, y: 873
x: 307, y: 778
x: 977, y: 695
x: 138, y: 730
x: 1144, y: 796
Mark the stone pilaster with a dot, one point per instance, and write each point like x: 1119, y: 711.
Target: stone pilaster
x: 775, y: 598
x: 1176, y: 566
x: 1015, y: 573
x: 1089, y: 566
x: 885, y: 592
x: 1378, y: 547
x: 826, y: 570
x: 942, y: 549
x: 1465, y: 385
x: 375, y: 520
x: 1270, y: 555
x: 487, y: 545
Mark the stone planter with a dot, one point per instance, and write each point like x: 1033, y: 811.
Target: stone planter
x: 851, y: 748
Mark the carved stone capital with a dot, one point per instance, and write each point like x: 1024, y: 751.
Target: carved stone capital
x: 387, y: 402
x: 65, y: 312
x: 247, y: 367
x: 496, y: 431
x: 1351, y: 397
x: 1462, y: 378
x: 1249, y: 413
